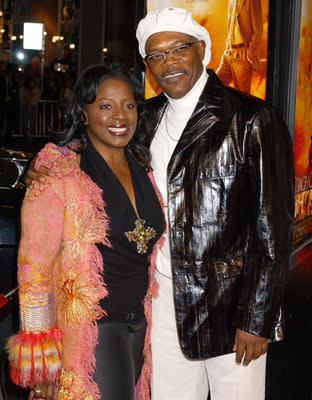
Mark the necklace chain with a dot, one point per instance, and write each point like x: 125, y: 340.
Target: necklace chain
x: 167, y: 129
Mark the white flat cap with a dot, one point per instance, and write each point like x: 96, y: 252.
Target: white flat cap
x: 174, y: 20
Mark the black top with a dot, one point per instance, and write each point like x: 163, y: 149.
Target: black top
x: 125, y: 270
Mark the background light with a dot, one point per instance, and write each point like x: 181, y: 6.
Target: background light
x: 13, y: 37
x: 105, y: 50
x: 72, y: 46
x: 33, y: 36
x: 20, y: 55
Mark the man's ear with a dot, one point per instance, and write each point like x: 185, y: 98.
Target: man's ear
x: 201, y: 46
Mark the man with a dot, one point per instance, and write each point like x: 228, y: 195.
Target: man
x: 223, y: 163
x: 244, y: 35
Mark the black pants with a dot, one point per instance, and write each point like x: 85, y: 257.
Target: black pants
x: 119, y: 355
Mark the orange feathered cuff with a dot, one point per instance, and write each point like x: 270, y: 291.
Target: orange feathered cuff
x: 35, y: 357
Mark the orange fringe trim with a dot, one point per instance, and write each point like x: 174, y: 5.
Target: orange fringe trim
x: 35, y: 357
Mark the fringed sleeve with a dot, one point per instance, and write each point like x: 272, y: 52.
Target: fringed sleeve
x: 35, y: 352
x: 35, y: 357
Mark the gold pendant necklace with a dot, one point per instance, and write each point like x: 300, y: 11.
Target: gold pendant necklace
x: 141, y: 235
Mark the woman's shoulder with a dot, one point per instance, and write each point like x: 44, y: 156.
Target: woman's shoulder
x: 61, y: 160
x: 63, y: 163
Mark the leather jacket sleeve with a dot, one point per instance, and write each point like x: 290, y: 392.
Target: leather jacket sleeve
x: 271, y: 184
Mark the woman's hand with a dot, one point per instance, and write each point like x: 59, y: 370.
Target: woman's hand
x: 36, y: 175
x: 44, y: 391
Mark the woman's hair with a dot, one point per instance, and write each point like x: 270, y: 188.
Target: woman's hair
x: 85, y: 92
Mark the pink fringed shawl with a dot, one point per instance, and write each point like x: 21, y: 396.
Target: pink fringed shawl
x: 60, y: 280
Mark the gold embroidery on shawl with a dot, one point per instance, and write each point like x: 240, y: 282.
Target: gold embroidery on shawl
x: 34, y: 276
x: 71, y: 387
x: 36, y: 298
x: 81, y: 227
x: 78, y: 298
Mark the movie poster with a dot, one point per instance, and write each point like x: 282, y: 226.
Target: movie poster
x: 238, y: 31
x: 303, y: 132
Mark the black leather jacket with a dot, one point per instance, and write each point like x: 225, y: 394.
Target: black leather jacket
x: 230, y: 208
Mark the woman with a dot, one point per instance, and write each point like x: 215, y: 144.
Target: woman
x: 88, y: 234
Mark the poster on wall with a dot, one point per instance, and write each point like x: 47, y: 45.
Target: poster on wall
x: 303, y: 132
x: 238, y: 31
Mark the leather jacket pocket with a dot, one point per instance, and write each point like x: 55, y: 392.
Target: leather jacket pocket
x: 210, y: 197
x: 218, y: 171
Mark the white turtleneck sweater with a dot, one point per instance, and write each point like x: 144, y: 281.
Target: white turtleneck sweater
x: 169, y: 131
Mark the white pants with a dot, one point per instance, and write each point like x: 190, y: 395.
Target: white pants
x: 175, y: 377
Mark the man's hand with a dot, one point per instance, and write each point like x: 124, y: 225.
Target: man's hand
x: 249, y: 347
x: 39, y: 175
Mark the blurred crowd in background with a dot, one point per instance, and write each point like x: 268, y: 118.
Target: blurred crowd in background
x: 30, y: 104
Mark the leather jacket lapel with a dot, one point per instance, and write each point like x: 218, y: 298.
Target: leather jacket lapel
x: 162, y: 103
x: 205, y: 116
